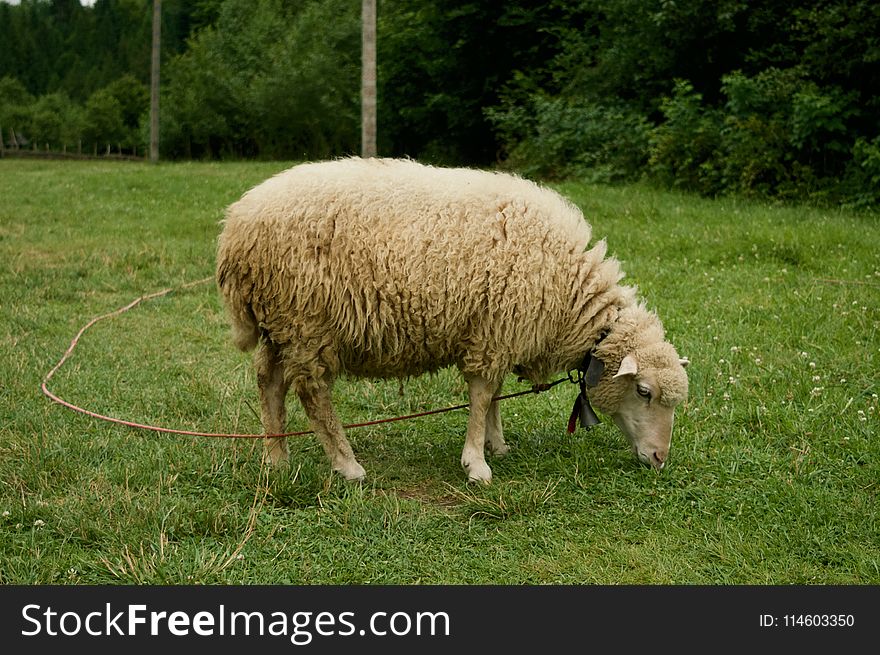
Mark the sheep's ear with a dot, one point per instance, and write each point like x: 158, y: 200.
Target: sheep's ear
x: 629, y: 366
x: 684, y: 361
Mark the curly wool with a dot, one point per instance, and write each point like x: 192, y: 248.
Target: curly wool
x: 638, y: 332
x: 390, y: 268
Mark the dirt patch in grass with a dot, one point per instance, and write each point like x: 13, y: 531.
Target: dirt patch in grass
x: 428, y: 493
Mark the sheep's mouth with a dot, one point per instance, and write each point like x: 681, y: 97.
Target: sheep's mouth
x: 648, y: 461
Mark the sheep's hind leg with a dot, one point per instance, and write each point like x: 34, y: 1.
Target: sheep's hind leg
x: 328, y: 428
x: 495, y: 443
x: 473, y: 458
x: 273, y: 413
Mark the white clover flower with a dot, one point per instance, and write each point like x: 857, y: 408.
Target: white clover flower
x: 39, y: 523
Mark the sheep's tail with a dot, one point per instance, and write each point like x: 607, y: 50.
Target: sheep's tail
x: 245, y: 330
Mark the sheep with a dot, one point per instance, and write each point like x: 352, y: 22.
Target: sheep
x: 388, y: 268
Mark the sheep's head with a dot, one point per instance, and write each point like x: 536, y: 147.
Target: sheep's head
x: 641, y: 397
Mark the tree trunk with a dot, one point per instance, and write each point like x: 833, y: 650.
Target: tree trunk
x: 368, y: 79
x: 154, y: 82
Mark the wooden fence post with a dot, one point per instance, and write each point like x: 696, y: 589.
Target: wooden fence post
x: 368, y: 78
x: 154, y: 82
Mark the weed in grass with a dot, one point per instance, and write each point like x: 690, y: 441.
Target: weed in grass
x: 498, y: 503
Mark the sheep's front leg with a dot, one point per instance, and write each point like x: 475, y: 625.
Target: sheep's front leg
x: 495, y: 443
x: 319, y: 408
x: 473, y: 458
x: 273, y: 413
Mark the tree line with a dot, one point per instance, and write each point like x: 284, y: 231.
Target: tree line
x: 76, y: 77
x: 765, y: 97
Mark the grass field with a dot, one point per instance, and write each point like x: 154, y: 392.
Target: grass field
x: 775, y: 464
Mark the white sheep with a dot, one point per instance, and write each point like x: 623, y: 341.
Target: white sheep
x: 388, y: 268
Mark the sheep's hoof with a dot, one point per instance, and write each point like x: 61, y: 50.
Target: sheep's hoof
x: 351, y: 471
x: 275, y: 463
x: 499, y: 450
x: 478, y: 472
x: 275, y: 452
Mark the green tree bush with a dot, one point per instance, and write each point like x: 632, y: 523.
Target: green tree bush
x: 104, y: 126
x: 566, y: 137
x: 56, y: 122
x: 862, y: 179
x: 269, y: 79
x: 15, y: 108
x: 684, y: 148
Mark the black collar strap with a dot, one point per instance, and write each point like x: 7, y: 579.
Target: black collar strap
x: 589, y: 373
x: 591, y: 369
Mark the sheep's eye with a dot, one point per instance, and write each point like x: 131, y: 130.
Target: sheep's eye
x: 644, y: 392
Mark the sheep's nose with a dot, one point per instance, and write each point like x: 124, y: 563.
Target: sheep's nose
x: 659, y: 458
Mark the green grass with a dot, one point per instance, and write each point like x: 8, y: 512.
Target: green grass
x: 774, y: 469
